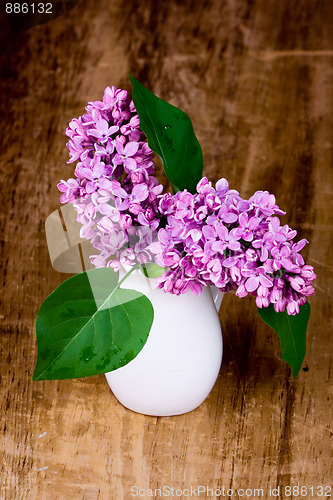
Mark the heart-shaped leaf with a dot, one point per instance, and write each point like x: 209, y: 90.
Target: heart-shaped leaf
x: 291, y: 331
x: 89, y: 325
x: 170, y: 135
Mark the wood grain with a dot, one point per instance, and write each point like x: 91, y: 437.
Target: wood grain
x: 256, y: 78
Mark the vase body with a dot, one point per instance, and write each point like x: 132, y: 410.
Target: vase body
x: 179, y: 364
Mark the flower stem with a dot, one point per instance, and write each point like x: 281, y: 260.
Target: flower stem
x: 136, y: 266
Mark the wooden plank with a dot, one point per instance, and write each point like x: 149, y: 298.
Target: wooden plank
x: 256, y: 79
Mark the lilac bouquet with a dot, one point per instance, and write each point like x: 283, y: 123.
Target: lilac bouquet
x: 198, y: 235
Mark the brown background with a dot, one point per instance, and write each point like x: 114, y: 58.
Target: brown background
x: 256, y: 78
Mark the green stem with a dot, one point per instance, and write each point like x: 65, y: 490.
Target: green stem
x: 136, y: 266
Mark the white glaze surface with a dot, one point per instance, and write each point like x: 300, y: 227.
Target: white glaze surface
x: 178, y: 366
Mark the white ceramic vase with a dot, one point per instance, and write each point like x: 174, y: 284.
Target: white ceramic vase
x: 179, y: 364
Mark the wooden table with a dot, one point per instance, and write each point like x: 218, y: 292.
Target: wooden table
x: 256, y: 79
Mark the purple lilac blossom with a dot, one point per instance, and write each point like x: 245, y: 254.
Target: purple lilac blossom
x: 212, y: 237
x: 114, y: 192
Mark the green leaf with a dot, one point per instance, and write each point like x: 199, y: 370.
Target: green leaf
x: 170, y: 134
x: 291, y: 331
x: 152, y: 270
x: 89, y: 325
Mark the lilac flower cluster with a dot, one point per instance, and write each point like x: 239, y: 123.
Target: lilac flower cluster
x: 114, y: 191
x: 217, y: 238
x: 212, y: 237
